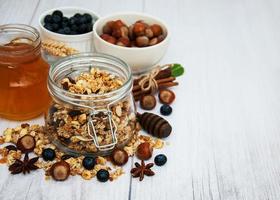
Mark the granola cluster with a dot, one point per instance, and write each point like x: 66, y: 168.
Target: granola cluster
x: 70, y: 126
x: 12, y: 135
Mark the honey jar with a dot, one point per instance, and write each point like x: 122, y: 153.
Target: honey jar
x: 23, y: 73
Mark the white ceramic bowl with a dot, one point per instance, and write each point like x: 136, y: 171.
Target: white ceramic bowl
x: 81, y: 42
x: 141, y: 60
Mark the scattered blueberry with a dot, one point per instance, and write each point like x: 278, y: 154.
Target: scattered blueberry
x: 48, y: 19
x: 103, y: 175
x: 48, y: 154
x: 160, y: 159
x: 165, y: 109
x: 89, y: 162
x: 58, y: 13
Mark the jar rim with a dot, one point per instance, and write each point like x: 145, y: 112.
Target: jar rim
x: 52, y: 84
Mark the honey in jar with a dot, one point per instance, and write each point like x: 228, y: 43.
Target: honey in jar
x: 23, y: 73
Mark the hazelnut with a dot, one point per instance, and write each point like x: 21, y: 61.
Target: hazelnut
x: 142, y: 41
x: 166, y: 96
x: 149, y: 33
x: 117, y: 24
x: 148, y: 102
x: 108, y: 38
x: 123, y: 41
x: 107, y: 28
x: 160, y: 38
x: 117, y: 33
x: 26, y: 143
x: 157, y: 30
x: 60, y: 171
x: 153, y: 41
x: 130, y: 32
x: 139, y: 29
x: 144, y: 151
x: 124, y: 31
x: 119, y: 157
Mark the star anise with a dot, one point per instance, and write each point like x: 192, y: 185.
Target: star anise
x: 24, y: 166
x: 142, y: 170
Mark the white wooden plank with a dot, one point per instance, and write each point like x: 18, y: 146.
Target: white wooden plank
x: 15, y: 11
x: 226, y: 115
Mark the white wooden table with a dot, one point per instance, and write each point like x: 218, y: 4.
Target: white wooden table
x: 226, y: 119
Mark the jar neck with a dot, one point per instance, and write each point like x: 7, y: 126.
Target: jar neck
x: 73, y: 65
x: 19, y: 43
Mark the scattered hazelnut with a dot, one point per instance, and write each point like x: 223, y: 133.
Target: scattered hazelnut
x: 166, y: 96
x: 148, y: 102
x: 60, y: 171
x: 26, y: 144
x: 144, y: 151
x: 139, y: 29
x: 157, y: 30
x: 119, y: 157
x: 142, y: 41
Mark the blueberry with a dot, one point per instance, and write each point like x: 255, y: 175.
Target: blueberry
x: 55, y: 27
x: 67, y: 30
x: 160, y: 159
x: 83, y: 20
x: 58, y: 13
x: 165, y: 109
x: 49, y: 27
x: 61, y: 31
x: 72, y: 20
x: 65, y: 19
x: 64, y: 24
x: 102, y: 175
x: 82, y: 28
x: 48, y: 154
x: 89, y: 27
x: 74, y: 27
x: 88, y: 17
x: 89, y: 162
x: 48, y: 19
x: 56, y: 19
x: 73, y: 33
x: 77, y: 15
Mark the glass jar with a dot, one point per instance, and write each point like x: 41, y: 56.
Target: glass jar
x: 90, y: 124
x: 23, y: 82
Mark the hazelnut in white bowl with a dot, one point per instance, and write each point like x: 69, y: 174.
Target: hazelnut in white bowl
x: 139, y: 39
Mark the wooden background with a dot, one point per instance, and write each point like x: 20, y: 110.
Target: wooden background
x: 226, y: 118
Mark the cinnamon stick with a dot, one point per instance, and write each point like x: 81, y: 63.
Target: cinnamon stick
x: 165, y: 73
x: 163, y: 80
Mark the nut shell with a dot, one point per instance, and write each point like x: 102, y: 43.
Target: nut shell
x: 139, y: 29
x: 60, y: 171
x: 142, y: 41
x: 157, y: 30
x: 144, y: 151
x: 148, y: 102
x: 26, y: 143
x: 119, y: 157
x: 166, y: 96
